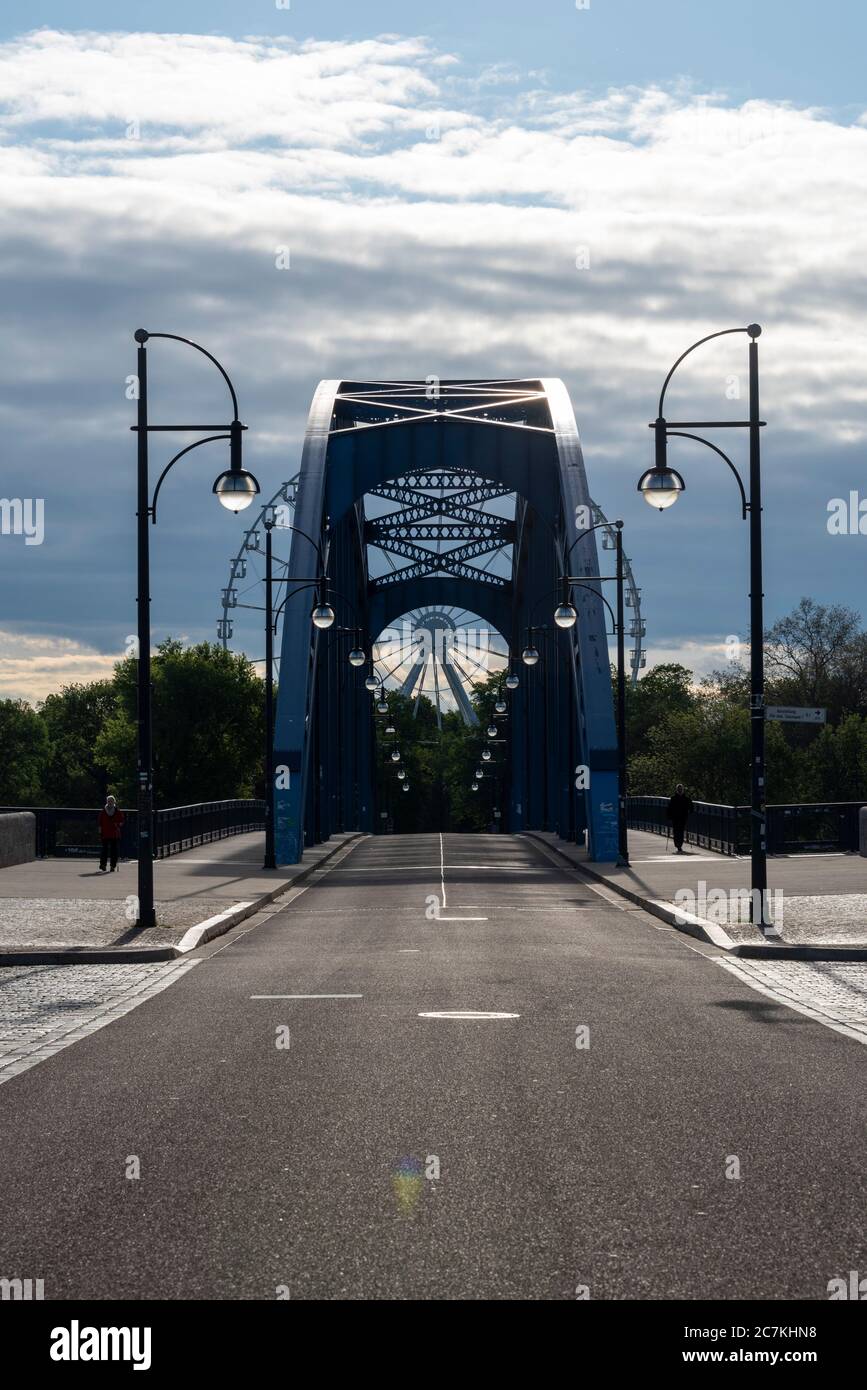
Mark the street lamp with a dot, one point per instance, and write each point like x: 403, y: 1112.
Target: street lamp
x: 474, y: 786
x: 395, y: 757
x: 501, y: 707
x: 512, y: 681
x: 322, y: 616
x: 236, y: 489
x: 565, y: 616
x: 400, y: 774
x: 357, y: 656
x: 371, y: 684
x: 479, y: 774
x: 661, y: 486
x: 530, y: 655
x: 492, y: 731
x: 486, y: 755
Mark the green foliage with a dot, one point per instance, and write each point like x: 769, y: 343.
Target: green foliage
x: 24, y: 750
x: 665, y: 690
x: 74, y: 719
x: 209, y: 731
x: 440, y: 764
x: 208, y: 720
x: 837, y: 761
x: 816, y: 655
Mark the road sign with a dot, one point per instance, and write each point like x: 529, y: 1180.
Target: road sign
x: 797, y: 714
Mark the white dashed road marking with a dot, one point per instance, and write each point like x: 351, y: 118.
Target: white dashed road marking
x: 467, y: 1014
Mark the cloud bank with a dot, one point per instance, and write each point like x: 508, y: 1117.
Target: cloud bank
x: 431, y: 220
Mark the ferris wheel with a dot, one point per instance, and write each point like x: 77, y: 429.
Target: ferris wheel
x: 438, y: 652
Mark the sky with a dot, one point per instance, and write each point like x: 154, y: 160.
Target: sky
x: 455, y: 190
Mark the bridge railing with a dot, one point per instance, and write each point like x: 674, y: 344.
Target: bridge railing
x: 73, y: 831
x: 725, y: 829
x: 791, y: 828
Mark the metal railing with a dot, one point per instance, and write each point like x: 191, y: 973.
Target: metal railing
x: 725, y: 829
x: 180, y: 827
x: 73, y: 831
x: 791, y: 828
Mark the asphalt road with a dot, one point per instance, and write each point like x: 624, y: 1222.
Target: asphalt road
x: 312, y: 1168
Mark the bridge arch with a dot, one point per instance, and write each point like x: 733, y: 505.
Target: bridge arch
x: 455, y: 455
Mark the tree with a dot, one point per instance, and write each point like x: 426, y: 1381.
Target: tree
x: 74, y: 720
x: 208, y: 719
x: 24, y: 750
x: 817, y: 655
x: 838, y: 762
x: 418, y: 741
x: 707, y: 747
x: 665, y: 690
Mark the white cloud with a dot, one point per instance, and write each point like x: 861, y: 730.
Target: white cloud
x: 413, y: 254
x: 31, y: 667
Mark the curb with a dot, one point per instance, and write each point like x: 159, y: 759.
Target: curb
x: 710, y: 932
x: 196, y: 936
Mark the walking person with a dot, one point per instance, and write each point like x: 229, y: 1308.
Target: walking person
x: 677, y: 813
x: 111, y: 820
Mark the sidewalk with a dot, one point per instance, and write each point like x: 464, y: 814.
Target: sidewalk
x: 59, y: 910
x: 819, y: 900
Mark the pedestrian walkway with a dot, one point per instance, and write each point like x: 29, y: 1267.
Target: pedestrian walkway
x: 67, y: 904
x: 816, y: 899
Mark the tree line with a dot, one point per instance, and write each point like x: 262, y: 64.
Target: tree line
x: 678, y: 731
x: 208, y: 711
x: 78, y: 745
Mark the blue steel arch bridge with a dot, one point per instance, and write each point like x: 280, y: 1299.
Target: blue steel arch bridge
x: 445, y: 513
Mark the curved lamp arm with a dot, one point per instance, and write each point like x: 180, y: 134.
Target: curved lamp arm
x: 339, y: 594
x: 541, y: 599
x: 583, y: 584
x: 298, y: 531
x: 308, y: 584
x: 175, y: 337
x: 210, y: 440
x: 682, y: 434
x: 600, y: 526
x: 723, y: 332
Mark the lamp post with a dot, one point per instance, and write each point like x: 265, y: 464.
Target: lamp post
x: 235, y: 489
x: 661, y: 486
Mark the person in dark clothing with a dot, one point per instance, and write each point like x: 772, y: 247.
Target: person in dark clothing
x: 678, y: 811
x: 111, y: 820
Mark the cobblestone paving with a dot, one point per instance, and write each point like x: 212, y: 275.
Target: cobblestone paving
x: 44, y: 1008
x: 823, y: 919
x: 93, y: 921
x: 836, y: 994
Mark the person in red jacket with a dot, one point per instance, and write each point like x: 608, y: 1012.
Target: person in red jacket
x: 111, y: 820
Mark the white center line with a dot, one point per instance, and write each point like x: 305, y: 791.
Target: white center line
x: 443, y: 870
